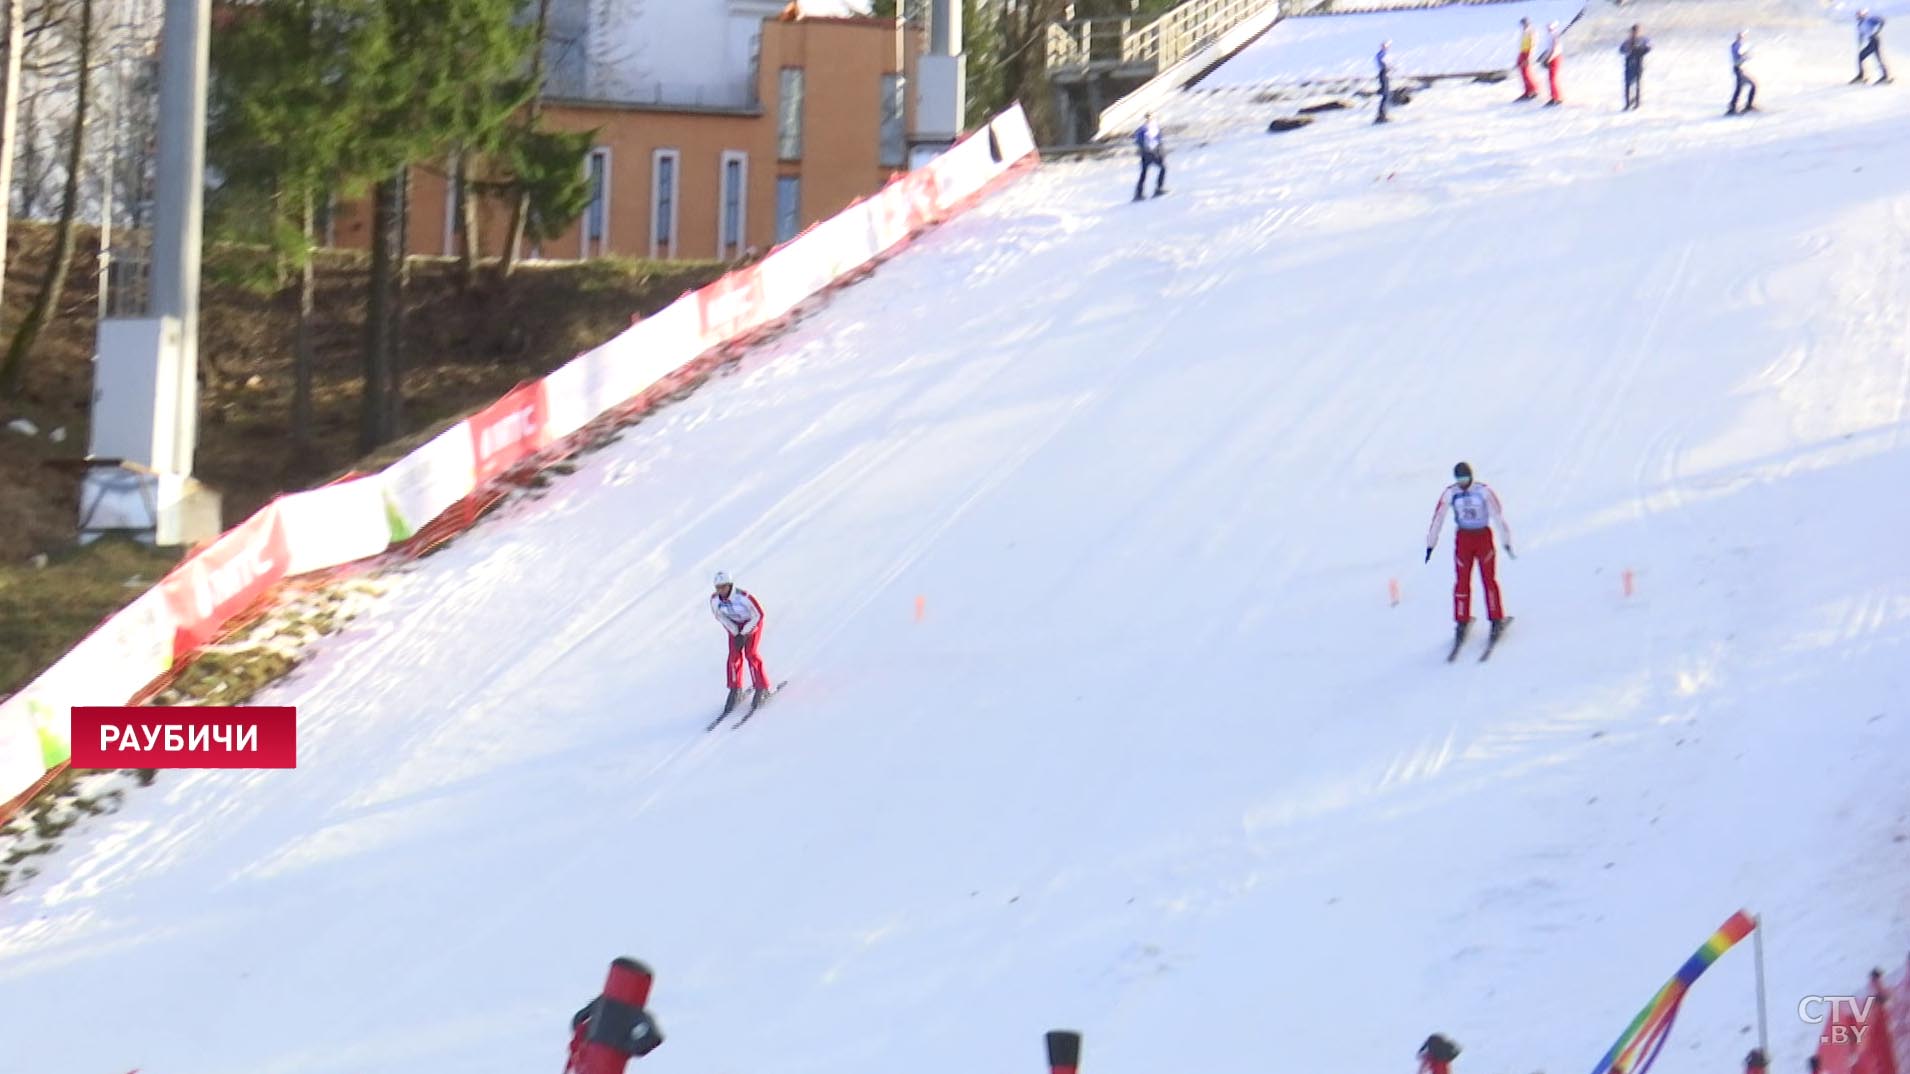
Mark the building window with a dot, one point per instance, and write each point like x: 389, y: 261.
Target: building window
x: 596, y: 229
x: 327, y: 220
x: 789, y: 115
x: 788, y: 207
x: 663, y: 199
x: 895, y: 150
x: 454, y: 206
x: 733, y: 202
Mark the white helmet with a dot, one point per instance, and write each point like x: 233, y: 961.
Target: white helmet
x: 722, y: 579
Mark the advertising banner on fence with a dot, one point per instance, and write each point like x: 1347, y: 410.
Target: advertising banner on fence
x: 730, y: 307
x: 424, y: 484
x: 21, y: 761
x: 340, y: 523
x: 127, y: 652
x: 225, y: 579
x: 622, y: 368
x: 508, y: 431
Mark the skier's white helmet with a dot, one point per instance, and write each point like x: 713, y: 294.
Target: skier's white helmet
x: 722, y: 579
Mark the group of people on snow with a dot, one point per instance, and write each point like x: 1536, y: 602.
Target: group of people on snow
x: 1550, y: 59
x: 1633, y: 49
x: 1475, y: 510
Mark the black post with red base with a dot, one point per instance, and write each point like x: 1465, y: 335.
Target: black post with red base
x: 614, y: 1028
x: 1064, y: 1051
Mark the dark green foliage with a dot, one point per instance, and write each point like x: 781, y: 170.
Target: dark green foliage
x: 320, y: 98
x: 544, y: 165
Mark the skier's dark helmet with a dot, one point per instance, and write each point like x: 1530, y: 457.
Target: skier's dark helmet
x: 1462, y: 473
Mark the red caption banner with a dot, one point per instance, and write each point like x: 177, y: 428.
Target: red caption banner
x: 235, y: 736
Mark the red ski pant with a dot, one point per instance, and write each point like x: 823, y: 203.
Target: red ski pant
x: 743, y: 651
x: 1525, y: 72
x: 1552, y: 73
x: 1469, y: 547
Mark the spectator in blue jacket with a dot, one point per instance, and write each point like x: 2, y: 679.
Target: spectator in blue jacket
x: 1384, y: 61
x: 1740, y: 60
x: 1633, y: 48
x: 1153, y: 155
x: 1870, y: 43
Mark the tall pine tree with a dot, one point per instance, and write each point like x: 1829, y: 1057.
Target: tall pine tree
x: 322, y: 97
x: 283, y: 132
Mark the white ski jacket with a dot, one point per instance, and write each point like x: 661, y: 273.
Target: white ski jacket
x: 1473, y: 508
x: 741, y: 614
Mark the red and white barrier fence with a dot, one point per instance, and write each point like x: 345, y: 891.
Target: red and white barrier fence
x: 438, y: 488
x: 1867, y: 1034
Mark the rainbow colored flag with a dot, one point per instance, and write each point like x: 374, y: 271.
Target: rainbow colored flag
x: 1637, y: 1048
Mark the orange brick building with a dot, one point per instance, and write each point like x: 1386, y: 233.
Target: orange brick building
x: 819, y: 121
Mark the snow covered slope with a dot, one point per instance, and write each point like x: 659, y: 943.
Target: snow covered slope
x: 1159, y: 761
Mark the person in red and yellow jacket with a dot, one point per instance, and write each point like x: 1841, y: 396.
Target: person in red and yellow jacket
x: 1525, y: 61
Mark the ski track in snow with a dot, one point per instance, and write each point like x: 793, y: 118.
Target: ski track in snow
x: 1159, y: 761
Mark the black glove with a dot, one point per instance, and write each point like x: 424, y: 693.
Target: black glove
x: 1428, y: 555
x: 736, y: 641
x: 1509, y: 552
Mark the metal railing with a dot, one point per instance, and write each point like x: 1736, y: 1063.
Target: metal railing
x: 1083, y: 44
x: 578, y: 80
x: 126, y: 289
x: 739, y: 97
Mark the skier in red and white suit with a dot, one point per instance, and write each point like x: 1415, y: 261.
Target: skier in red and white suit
x: 1475, y: 507
x: 742, y: 615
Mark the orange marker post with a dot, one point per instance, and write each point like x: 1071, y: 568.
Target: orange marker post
x: 921, y: 608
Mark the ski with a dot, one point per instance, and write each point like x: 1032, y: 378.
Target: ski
x: 729, y: 706
x: 1458, y: 642
x: 754, y: 705
x: 1493, y: 641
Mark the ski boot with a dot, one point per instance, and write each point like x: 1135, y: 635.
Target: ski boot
x: 736, y: 695
x: 761, y: 696
x: 1498, y: 628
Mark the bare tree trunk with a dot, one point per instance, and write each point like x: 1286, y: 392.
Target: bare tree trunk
x: 13, y: 367
x: 467, y: 214
x: 521, y: 207
x: 302, y: 345
x: 10, y: 118
x: 30, y: 170
x: 395, y: 397
x: 1028, y: 70
x: 375, y: 425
